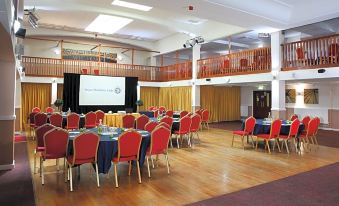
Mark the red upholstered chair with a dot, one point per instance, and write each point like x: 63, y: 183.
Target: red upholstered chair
x: 31, y: 120
x: 36, y: 110
x: 85, y: 150
x: 55, y: 141
x: 274, y: 134
x: 150, y: 126
x: 56, y: 120
x: 305, y: 121
x: 293, y: 117
x: 316, y: 132
x: 90, y: 120
x: 128, y: 121
x: 294, y: 128
x: 184, y: 130
x: 39, y: 120
x: 96, y: 71
x: 141, y: 121
x: 195, y: 126
x: 300, y: 53
x: 163, y: 124
x: 248, y: 131
x: 151, y: 108
x: 40, y: 146
x: 159, y: 145
x: 312, y: 129
x: 205, y: 116
x: 243, y: 63
x: 128, y: 150
x: 73, y: 120
x: 100, y: 115
x: 84, y: 71
x: 156, y: 113
x: 169, y: 121
x: 162, y: 109
x: 183, y: 113
x: 199, y: 112
x: 169, y: 113
x: 49, y: 110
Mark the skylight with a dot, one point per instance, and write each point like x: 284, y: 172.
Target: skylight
x: 131, y: 5
x: 107, y: 24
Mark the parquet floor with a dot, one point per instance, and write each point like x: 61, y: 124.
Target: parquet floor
x: 209, y: 169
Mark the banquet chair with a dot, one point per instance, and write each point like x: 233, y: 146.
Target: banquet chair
x: 55, y: 143
x: 156, y: 113
x: 205, y: 118
x: 31, y: 120
x: 293, y: 117
x: 248, y: 131
x: 169, y: 113
x: 73, y: 120
x: 305, y: 121
x: 100, y: 115
x: 195, y: 126
x: 56, y: 120
x: 49, y: 110
x: 40, y: 146
x: 128, y: 150
x: 307, y: 138
x: 141, y: 121
x: 39, y: 120
x: 274, y: 134
x: 96, y: 72
x: 169, y: 121
x: 162, y: 109
x: 293, y: 134
x: 90, y: 120
x: 163, y: 124
x: 36, y: 110
x: 183, y: 113
x: 316, y: 132
x: 151, y: 108
x: 128, y: 121
x: 159, y: 145
x: 85, y: 150
x: 199, y: 112
x: 150, y: 126
x: 184, y: 130
x: 84, y: 71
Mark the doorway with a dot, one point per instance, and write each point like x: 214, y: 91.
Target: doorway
x: 261, y: 104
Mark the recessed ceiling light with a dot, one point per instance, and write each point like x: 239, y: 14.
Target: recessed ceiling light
x: 107, y: 24
x: 131, y: 5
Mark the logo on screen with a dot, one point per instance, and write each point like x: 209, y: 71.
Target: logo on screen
x: 117, y: 90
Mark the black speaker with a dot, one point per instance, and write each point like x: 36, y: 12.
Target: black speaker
x: 21, y: 33
x: 320, y: 71
x: 208, y: 80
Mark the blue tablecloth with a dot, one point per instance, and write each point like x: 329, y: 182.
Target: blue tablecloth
x: 108, y: 148
x: 149, y: 114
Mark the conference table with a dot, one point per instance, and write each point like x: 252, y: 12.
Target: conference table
x: 108, y: 146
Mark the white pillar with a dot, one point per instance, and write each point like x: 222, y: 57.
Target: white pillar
x: 195, y: 88
x: 54, y: 91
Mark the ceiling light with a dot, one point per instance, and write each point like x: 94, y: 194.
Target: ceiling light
x: 107, y: 24
x: 16, y: 26
x: 131, y: 5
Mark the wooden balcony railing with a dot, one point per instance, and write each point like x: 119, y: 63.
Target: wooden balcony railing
x: 244, y: 62
x: 311, y: 53
x: 180, y: 71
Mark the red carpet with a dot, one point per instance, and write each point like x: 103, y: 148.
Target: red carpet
x: 19, y: 138
x: 319, y: 187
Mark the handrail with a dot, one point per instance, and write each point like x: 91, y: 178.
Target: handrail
x: 179, y: 71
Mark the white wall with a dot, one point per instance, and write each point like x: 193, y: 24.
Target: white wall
x: 246, y: 99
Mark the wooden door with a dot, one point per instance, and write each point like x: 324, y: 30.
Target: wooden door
x: 261, y: 104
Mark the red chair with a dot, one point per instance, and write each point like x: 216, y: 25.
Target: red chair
x: 31, y: 120
x: 195, y: 126
x: 248, y: 131
x: 163, y: 124
x: 128, y: 150
x: 84, y: 71
x: 205, y: 116
x: 293, y: 117
x: 169, y: 121
x: 90, y: 120
x: 183, y: 113
x: 85, y: 150
x: 56, y: 120
x: 49, y: 110
x: 151, y: 108
x: 159, y: 145
x: 96, y: 72
x: 55, y: 141
x: 100, y: 115
x: 39, y: 120
x: 312, y: 129
x: 243, y: 63
x: 315, y: 135
x: 274, y: 134
x: 141, y: 121
x: 73, y: 120
x: 293, y: 134
x: 40, y: 146
x: 199, y: 112
x: 305, y: 121
x: 128, y: 121
x: 184, y: 130
x: 36, y: 110
x: 150, y: 126
x: 162, y: 109
x: 169, y: 113
x: 156, y: 113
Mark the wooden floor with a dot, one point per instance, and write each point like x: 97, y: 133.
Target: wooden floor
x: 209, y: 169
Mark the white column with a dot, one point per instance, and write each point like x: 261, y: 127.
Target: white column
x: 54, y: 91
x: 195, y: 88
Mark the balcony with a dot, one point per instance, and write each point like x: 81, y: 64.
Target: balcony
x: 180, y: 71
x: 245, y: 62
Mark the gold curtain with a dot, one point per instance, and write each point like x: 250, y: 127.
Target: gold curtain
x: 176, y: 98
x: 150, y: 97
x: 60, y: 90
x: 223, y: 103
x: 34, y: 95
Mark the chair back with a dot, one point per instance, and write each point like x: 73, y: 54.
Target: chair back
x: 185, y: 124
x: 168, y: 120
x: 318, y: 124
x: 90, y: 120
x: 300, y: 53
x: 149, y: 127
x: 293, y: 117
x: 196, y: 121
x: 36, y: 110
x: 151, y: 108
x: 55, y: 141
x: 163, y: 124
x: 169, y: 113
x: 141, y: 122
x: 31, y: 118
x: 84, y: 71
x: 312, y: 127
x: 243, y: 62
x: 73, y: 120
x: 199, y: 112
x: 40, y: 119
x: 156, y: 113
x: 205, y: 115
x: 226, y: 63
x: 56, y: 120
x: 99, y: 115
x: 49, y: 110
x: 183, y: 113
x: 96, y: 72
x: 275, y: 128
x: 40, y: 132
x: 162, y: 109
x: 306, y: 121
x: 159, y: 140
x: 128, y: 121
x: 129, y: 144
x: 250, y: 124
x: 85, y: 147
x: 294, y: 128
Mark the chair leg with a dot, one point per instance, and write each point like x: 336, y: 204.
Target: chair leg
x: 277, y: 140
x: 256, y: 145
x: 282, y: 144
x: 97, y: 171
x: 252, y: 141
x: 232, y: 141
x: 171, y: 141
x: 65, y: 170
x: 288, y: 151
x: 129, y: 168
x: 167, y: 163
x: 177, y: 141
x: 148, y: 169
x: 152, y: 162
x: 40, y: 159
x: 116, y: 175
x: 138, y: 167
x: 208, y: 127
x: 70, y: 178
x: 42, y: 173
x: 34, y: 162
x: 268, y: 146
x: 57, y: 164
x: 242, y: 142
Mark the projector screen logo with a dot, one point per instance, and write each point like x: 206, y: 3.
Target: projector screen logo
x: 117, y: 90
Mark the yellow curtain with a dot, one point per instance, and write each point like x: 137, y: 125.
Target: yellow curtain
x: 176, y: 98
x: 223, y: 103
x: 34, y: 95
x: 60, y: 90
x: 150, y: 97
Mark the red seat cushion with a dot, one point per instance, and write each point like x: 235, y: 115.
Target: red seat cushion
x: 241, y: 133
x: 40, y: 149
x: 264, y: 136
x: 79, y: 161
x: 124, y: 159
x: 180, y: 132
